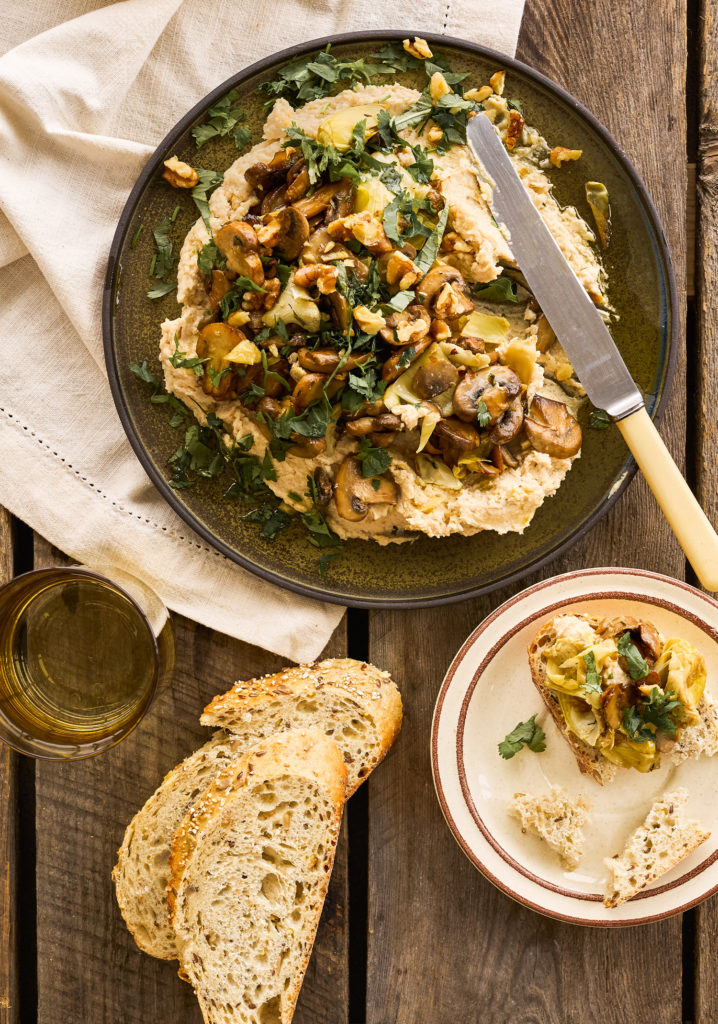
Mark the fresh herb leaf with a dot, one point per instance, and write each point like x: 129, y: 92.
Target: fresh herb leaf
x: 209, y: 257
x: 407, y: 356
x: 271, y: 518
x: 430, y: 248
x: 208, y: 182
x: 634, y: 726
x: 503, y: 289
x: 143, y: 371
x: 423, y: 166
x: 374, y: 461
x: 637, y: 667
x: 482, y: 413
x: 593, y: 679
x: 224, y: 117
x: 525, y: 734
x: 391, y: 178
x: 163, y: 288
x: 242, y: 136
x: 163, y: 257
x: 599, y: 419
x: 515, y: 105
x: 657, y: 709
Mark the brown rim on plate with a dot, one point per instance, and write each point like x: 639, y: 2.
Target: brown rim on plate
x: 468, y: 799
x: 429, y: 592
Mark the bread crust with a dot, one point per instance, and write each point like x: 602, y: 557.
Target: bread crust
x: 359, y: 681
x: 309, y: 754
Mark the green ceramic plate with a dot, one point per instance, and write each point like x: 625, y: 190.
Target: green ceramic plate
x: 426, y: 571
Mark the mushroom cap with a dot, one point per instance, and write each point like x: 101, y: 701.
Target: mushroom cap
x: 435, y: 280
x: 294, y: 232
x: 454, y: 438
x: 237, y: 241
x: 434, y: 377
x: 552, y: 429
x: 497, y: 386
x: 353, y: 492
x: 507, y: 426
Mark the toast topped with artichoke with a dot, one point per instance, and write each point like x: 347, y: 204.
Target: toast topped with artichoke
x: 620, y: 693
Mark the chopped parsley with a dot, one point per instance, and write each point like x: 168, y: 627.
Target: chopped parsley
x: 224, y: 117
x: 482, y: 413
x: 637, y: 666
x: 592, y: 683
x: 657, y: 710
x: 525, y: 734
x: 374, y: 461
x: 162, y: 261
x: 209, y: 257
x: 208, y: 182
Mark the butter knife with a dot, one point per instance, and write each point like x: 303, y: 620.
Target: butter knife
x: 589, y: 346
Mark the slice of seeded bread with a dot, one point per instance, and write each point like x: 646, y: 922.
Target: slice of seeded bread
x: 699, y: 740
x: 589, y: 760
x: 656, y: 846
x: 250, y: 865
x: 355, y: 703
x: 555, y: 817
x: 142, y: 870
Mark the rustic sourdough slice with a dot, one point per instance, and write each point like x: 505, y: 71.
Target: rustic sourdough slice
x: 142, y: 870
x: 557, y: 818
x: 353, y: 702
x: 589, y: 760
x: 250, y: 865
x: 359, y: 706
x: 656, y: 846
x: 699, y: 740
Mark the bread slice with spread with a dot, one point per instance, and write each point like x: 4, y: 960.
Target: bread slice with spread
x: 622, y: 695
x: 656, y: 846
x: 249, y: 871
x: 355, y: 703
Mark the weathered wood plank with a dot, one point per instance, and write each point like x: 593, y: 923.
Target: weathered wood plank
x: 88, y: 965
x: 706, y: 458
x: 9, y: 1009
x: 443, y: 943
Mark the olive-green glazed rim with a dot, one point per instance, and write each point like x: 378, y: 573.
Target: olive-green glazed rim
x: 425, y: 571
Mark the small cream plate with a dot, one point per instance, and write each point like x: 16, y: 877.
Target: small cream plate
x: 488, y: 690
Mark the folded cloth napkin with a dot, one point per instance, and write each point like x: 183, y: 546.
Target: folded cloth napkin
x: 82, y: 105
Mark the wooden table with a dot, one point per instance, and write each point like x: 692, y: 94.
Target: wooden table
x: 411, y: 932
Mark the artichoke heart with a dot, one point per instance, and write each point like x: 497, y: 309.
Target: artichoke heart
x: 401, y: 392
x: 435, y: 471
x: 581, y: 719
x: 682, y: 670
x: 492, y: 329
x: 628, y: 754
x: 336, y: 130
x: 597, y: 198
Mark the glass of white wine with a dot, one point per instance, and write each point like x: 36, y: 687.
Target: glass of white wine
x: 82, y: 654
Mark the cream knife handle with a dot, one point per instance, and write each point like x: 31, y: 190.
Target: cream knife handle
x: 680, y: 507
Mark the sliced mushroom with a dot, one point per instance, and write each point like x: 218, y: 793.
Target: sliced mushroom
x: 614, y: 700
x: 341, y: 204
x: 434, y: 377
x: 320, y: 200
x: 508, y: 425
x: 551, y: 428
x: 495, y: 386
x: 324, y: 488
x: 215, y: 342
x: 263, y: 177
x: 237, y: 241
x: 326, y: 360
x: 643, y: 634
x: 402, y: 359
x: 340, y: 311
x: 308, y: 390
x: 218, y: 289
x: 298, y: 184
x: 294, y: 230
x: 353, y: 493
x: 384, y: 423
x: 275, y: 199
x: 454, y: 438
x: 435, y: 280
x: 307, y: 447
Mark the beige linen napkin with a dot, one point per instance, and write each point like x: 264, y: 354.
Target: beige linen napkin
x: 87, y: 92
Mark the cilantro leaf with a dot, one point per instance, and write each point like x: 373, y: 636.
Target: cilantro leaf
x: 391, y: 178
x: 423, y: 166
x: 210, y: 257
x: 515, y: 105
x: 593, y: 679
x: 657, y: 710
x: 163, y: 288
x: 525, y: 734
x: 374, y: 461
x: 224, y: 117
x: 482, y: 413
x: 208, y: 182
x: 637, y: 667
x: 634, y: 726
x: 143, y: 371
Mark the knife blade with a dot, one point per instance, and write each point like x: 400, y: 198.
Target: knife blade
x: 568, y: 308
